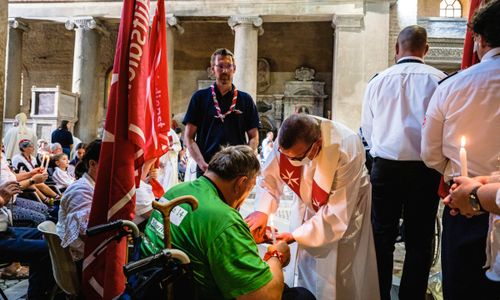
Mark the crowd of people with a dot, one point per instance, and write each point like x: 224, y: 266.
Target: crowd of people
x: 344, y: 220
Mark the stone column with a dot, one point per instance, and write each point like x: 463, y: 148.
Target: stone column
x: 3, y: 46
x: 173, y: 27
x: 14, y: 68
x: 360, y: 51
x: 246, y: 34
x: 85, y: 73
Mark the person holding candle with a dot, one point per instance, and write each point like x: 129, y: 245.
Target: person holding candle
x: 474, y: 196
x: 467, y: 104
x: 322, y: 162
x: 224, y: 256
x: 402, y: 185
x: 25, y: 160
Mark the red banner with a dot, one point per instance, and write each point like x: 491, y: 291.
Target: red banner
x: 121, y: 156
x: 469, y: 56
x: 158, y: 108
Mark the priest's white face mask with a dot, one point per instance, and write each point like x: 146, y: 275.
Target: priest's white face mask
x: 298, y: 163
x: 304, y: 159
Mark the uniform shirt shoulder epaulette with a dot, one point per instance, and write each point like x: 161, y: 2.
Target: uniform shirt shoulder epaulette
x: 449, y: 76
x: 376, y: 74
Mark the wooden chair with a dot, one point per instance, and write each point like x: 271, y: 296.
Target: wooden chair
x: 63, y: 267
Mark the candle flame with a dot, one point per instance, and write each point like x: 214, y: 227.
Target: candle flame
x: 462, y: 141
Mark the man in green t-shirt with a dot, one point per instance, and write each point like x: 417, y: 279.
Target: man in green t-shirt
x: 224, y: 256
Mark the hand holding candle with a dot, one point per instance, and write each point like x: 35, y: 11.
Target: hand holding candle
x: 463, y: 157
x: 271, y: 224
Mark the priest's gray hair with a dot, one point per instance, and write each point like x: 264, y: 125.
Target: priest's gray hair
x: 298, y: 128
x: 235, y: 161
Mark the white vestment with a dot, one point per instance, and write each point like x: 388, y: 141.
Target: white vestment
x: 335, y: 258
x: 168, y: 176
x: 16, y: 135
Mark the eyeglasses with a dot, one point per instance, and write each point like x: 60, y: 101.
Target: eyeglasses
x: 224, y: 67
x: 299, y: 158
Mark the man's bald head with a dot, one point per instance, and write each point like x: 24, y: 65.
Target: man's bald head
x: 412, y: 41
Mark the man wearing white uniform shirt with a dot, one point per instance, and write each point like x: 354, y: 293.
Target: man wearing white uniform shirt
x: 402, y: 185
x: 467, y: 104
x: 323, y: 163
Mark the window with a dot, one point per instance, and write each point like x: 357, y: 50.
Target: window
x: 450, y: 9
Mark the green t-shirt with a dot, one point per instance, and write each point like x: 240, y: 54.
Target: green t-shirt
x: 224, y: 256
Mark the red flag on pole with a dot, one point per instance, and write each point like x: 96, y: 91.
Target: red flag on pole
x: 157, y: 108
x: 121, y: 156
x: 469, y: 56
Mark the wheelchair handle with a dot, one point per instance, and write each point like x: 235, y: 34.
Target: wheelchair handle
x: 157, y: 259
x: 95, y: 230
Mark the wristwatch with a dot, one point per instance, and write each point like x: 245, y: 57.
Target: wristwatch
x: 474, y: 200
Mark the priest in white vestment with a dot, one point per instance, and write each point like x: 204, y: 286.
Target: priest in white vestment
x: 16, y: 134
x: 323, y: 164
x: 169, y: 162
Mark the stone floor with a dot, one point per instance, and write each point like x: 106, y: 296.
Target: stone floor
x: 281, y: 220
x: 16, y: 289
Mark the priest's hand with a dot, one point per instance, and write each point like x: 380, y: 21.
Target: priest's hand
x: 257, y: 222
x: 286, y: 237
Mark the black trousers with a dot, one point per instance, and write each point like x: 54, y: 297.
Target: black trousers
x: 463, y: 256
x: 406, y: 189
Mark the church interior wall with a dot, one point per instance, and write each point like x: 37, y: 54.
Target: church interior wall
x: 430, y: 8
x: 286, y: 46
x: 47, y: 58
x: 48, y: 61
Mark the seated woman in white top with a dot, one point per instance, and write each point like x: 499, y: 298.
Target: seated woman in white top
x: 61, y: 176
x: 26, y: 162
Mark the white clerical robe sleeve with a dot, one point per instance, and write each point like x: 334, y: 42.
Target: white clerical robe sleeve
x: 432, y: 136
x: 176, y: 143
x: 327, y: 226
x: 269, y: 185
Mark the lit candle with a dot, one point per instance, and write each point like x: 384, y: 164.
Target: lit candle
x: 47, y: 162
x: 271, y: 223
x: 463, y: 157
x: 43, y: 161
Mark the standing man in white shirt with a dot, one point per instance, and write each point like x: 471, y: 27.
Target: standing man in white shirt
x: 393, y: 111
x: 467, y: 104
